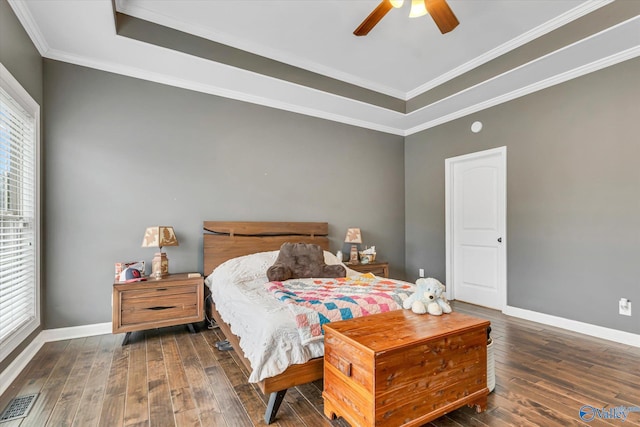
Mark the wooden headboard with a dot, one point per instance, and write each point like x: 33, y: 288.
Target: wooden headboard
x: 224, y: 240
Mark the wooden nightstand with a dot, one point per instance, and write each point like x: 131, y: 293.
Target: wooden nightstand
x: 173, y: 300
x: 378, y: 268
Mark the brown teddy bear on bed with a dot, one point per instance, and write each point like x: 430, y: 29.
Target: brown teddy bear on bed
x: 302, y: 260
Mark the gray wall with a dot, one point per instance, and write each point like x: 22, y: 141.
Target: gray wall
x: 18, y: 54
x: 124, y: 154
x: 23, y: 61
x: 573, y: 195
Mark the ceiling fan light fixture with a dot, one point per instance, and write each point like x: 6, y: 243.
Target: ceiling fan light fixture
x: 439, y: 10
x: 417, y: 9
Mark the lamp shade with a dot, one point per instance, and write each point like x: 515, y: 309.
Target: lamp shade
x: 159, y: 236
x: 418, y: 9
x: 353, y: 236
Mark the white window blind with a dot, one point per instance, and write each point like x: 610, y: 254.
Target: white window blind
x: 19, y: 308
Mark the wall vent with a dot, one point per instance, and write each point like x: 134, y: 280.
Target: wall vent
x: 18, y: 407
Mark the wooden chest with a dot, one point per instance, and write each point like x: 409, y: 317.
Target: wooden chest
x: 404, y: 369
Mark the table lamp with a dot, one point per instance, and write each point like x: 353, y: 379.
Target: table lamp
x: 354, y: 237
x: 157, y: 237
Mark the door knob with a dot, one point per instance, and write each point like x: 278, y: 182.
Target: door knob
x: 499, y: 239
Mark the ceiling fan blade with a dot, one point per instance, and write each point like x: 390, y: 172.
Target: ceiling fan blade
x: 373, y: 18
x: 442, y: 15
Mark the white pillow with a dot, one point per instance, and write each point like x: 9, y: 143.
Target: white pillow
x: 244, y: 268
x: 253, y: 266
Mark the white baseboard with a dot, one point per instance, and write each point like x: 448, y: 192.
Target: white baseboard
x: 575, y: 326
x: 19, y: 363
x: 12, y: 371
x: 76, y: 332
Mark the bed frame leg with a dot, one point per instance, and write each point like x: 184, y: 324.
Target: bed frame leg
x: 275, y: 399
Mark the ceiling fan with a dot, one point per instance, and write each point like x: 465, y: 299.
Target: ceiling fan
x: 438, y: 9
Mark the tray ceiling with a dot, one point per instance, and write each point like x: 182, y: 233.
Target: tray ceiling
x: 301, y: 55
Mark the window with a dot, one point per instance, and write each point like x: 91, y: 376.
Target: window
x: 19, y: 213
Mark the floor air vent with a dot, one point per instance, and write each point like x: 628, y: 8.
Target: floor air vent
x: 19, y: 407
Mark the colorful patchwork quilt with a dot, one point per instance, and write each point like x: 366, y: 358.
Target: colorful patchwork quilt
x: 314, y: 302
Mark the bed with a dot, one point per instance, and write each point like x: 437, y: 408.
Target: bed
x: 228, y: 245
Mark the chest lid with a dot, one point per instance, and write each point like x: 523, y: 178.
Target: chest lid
x: 401, y: 328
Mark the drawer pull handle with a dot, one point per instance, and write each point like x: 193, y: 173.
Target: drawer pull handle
x: 161, y: 308
x: 161, y: 289
x: 344, y: 367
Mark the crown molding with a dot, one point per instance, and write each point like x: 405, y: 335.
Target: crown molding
x: 543, y: 84
x: 224, y: 92
x: 179, y: 69
x: 147, y: 14
x: 533, y: 34
x: 29, y: 24
x: 338, y: 109
x: 627, y: 28
x: 256, y: 49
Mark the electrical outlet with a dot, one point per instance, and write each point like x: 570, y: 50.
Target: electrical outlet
x: 624, y: 307
x: 421, y: 272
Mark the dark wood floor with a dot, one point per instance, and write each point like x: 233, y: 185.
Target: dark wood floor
x: 169, y: 377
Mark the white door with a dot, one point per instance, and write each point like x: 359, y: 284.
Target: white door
x: 476, y: 228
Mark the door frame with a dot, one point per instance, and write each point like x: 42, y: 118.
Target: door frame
x: 502, y: 275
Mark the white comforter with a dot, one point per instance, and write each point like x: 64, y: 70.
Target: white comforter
x: 267, y: 331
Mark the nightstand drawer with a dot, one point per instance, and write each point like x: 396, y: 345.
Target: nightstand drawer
x: 172, y: 300
x: 132, y: 296
x: 144, y: 310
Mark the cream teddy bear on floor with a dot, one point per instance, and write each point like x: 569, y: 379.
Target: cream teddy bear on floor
x: 428, y: 298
